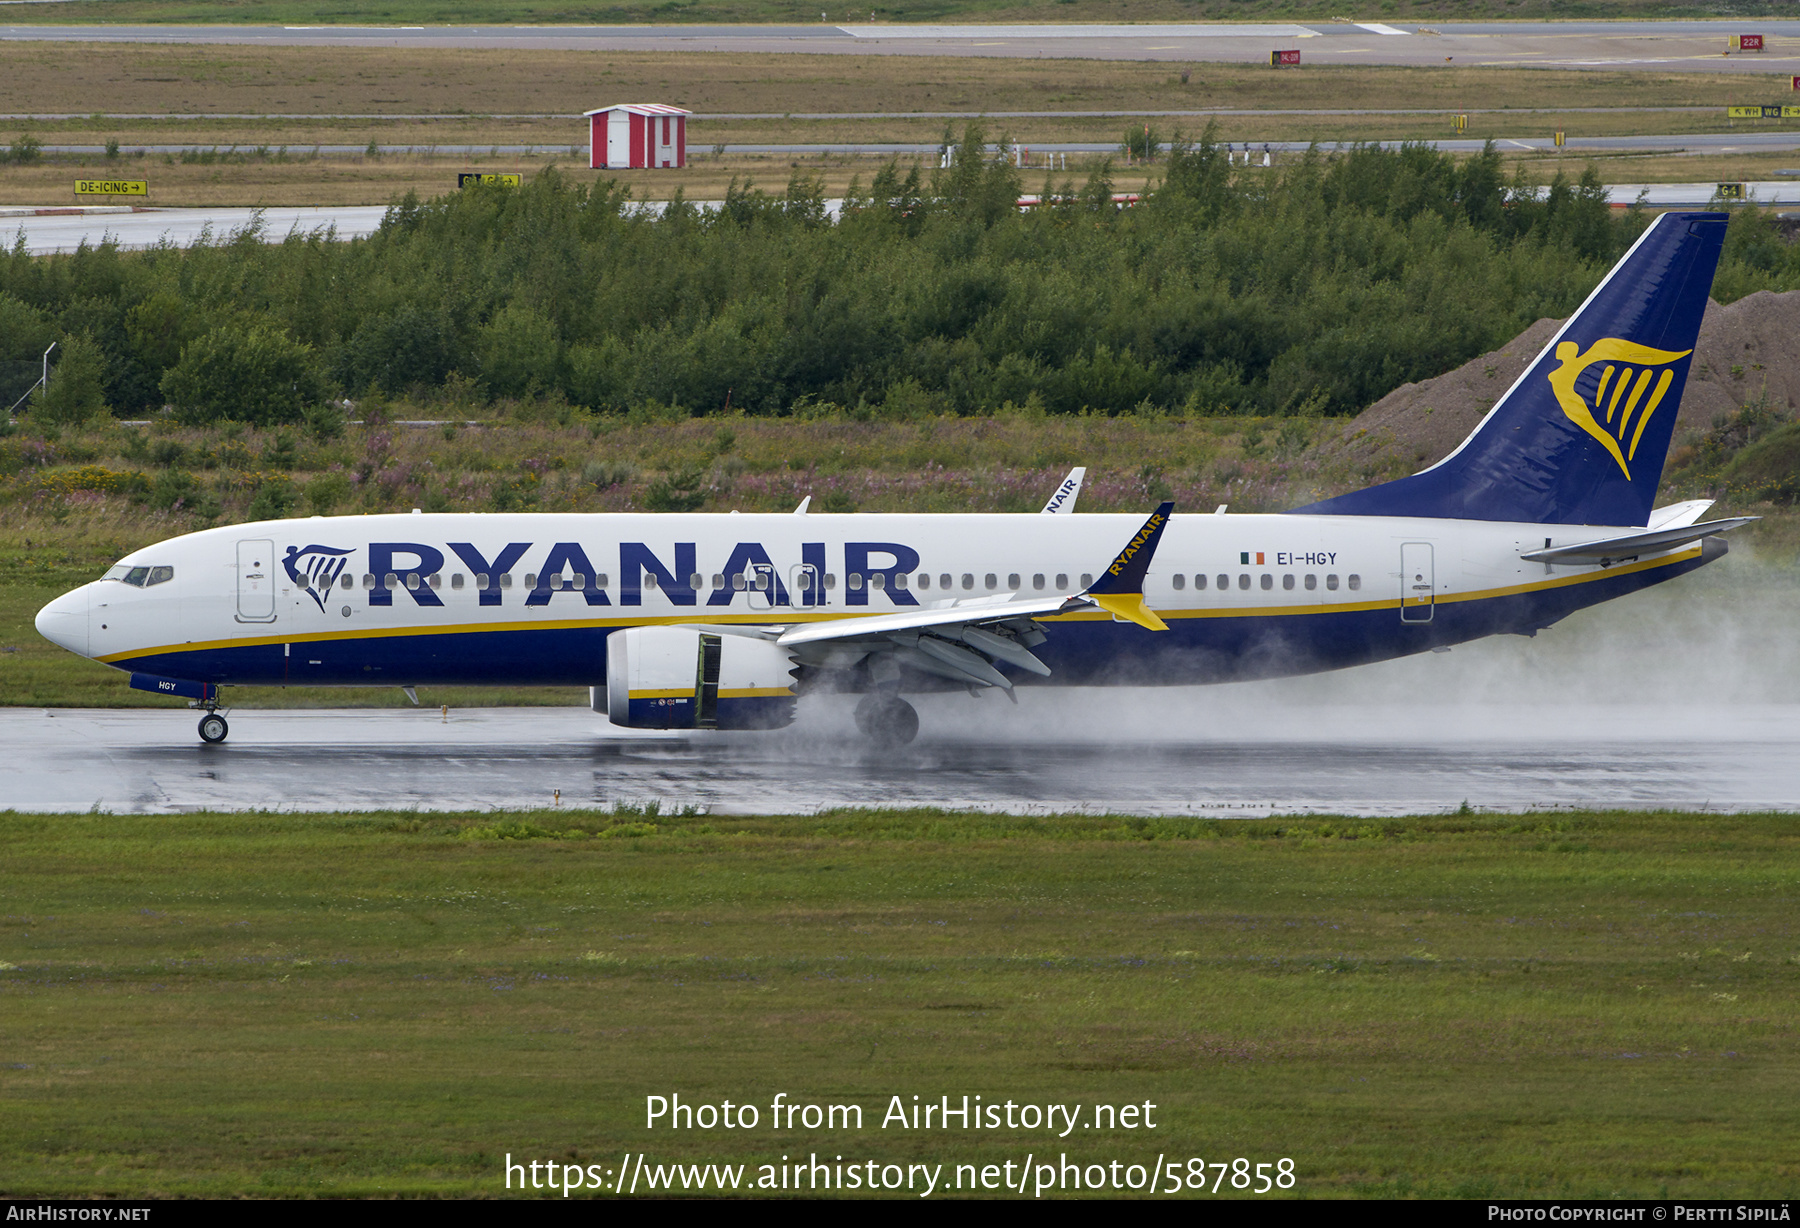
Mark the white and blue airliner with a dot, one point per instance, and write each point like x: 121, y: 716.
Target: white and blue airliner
x: 721, y: 621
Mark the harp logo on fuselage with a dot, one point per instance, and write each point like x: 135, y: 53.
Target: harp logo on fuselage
x: 315, y: 569
x: 1619, y: 409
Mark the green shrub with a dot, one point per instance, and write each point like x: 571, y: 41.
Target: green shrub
x: 77, y: 387
x: 325, y: 491
x: 676, y: 492
x: 273, y: 500
x: 255, y: 374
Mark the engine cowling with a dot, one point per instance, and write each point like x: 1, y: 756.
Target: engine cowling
x: 678, y: 678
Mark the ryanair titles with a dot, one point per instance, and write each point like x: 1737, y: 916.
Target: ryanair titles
x: 566, y: 569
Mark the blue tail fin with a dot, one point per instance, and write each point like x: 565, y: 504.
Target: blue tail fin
x: 1581, y: 437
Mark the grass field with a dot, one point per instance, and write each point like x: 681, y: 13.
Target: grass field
x: 305, y: 97
x: 603, y: 12
x: 85, y: 78
x: 1528, y: 1006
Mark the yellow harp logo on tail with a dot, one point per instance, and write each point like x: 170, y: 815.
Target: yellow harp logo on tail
x: 1615, y: 418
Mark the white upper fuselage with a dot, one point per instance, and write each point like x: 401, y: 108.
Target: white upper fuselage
x: 235, y: 587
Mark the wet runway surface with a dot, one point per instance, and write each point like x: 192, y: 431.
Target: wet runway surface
x: 1348, y: 760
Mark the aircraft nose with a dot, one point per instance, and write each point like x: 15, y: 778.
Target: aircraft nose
x: 64, y: 622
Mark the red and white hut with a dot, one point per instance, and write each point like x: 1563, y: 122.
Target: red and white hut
x: 631, y: 134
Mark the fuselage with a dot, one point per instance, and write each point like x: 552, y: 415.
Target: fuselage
x: 510, y: 599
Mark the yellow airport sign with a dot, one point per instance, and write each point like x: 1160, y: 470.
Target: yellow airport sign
x: 1730, y: 191
x: 112, y: 187
x: 1561, y: 138
x: 465, y: 178
x: 1743, y: 112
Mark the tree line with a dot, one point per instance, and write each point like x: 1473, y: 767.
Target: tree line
x: 1313, y: 287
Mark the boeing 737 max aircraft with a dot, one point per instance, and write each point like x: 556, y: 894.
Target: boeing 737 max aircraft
x: 710, y: 621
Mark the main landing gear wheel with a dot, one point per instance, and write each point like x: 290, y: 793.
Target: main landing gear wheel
x: 887, y: 720
x: 213, y: 728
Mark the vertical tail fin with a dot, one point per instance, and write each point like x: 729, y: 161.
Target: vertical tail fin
x: 1581, y: 437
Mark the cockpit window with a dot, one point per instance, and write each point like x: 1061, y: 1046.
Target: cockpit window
x: 139, y: 577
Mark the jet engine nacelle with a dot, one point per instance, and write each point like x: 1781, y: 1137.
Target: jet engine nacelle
x: 677, y: 678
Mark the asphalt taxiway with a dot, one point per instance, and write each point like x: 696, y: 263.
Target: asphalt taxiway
x: 1670, y: 46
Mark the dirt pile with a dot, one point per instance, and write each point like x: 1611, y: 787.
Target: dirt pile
x: 1747, y: 351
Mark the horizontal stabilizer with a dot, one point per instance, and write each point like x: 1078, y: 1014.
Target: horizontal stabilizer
x: 1678, y: 515
x: 1618, y: 549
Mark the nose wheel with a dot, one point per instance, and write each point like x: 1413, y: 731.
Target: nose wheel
x: 213, y: 728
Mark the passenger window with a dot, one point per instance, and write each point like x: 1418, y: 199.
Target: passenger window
x: 1012, y: 581
x: 1180, y: 582
x: 600, y: 579
x: 1087, y: 580
x: 1331, y: 584
x: 695, y: 581
x: 1037, y: 581
x: 456, y: 580
x: 899, y: 580
x: 391, y: 581
x: 531, y: 580
x: 830, y: 580
x: 1312, y: 582
x: 944, y: 580
x: 1287, y: 583
x: 1200, y: 583
x: 968, y: 580
x: 1062, y: 582
x: 1268, y: 581
x: 737, y: 584
x: 435, y: 580
x: 368, y: 580
x: 161, y: 575
x: 347, y: 583
x: 878, y: 580
x: 481, y: 579
x: 1244, y: 581
x: 1355, y: 583
x: 581, y: 580
x: 924, y: 580
x: 718, y: 580
x: 991, y: 581
x: 506, y: 579
x: 855, y: 580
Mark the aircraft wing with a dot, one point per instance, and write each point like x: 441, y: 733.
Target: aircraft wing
x: 974, y: 611
x: 1617, y: 549
x: 963, y: 639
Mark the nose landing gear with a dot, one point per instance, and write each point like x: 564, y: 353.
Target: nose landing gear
x: 213, y: 728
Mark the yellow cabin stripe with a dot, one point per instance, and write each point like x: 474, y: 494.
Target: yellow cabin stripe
x: 761, y: 618
x: 739, y: 692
